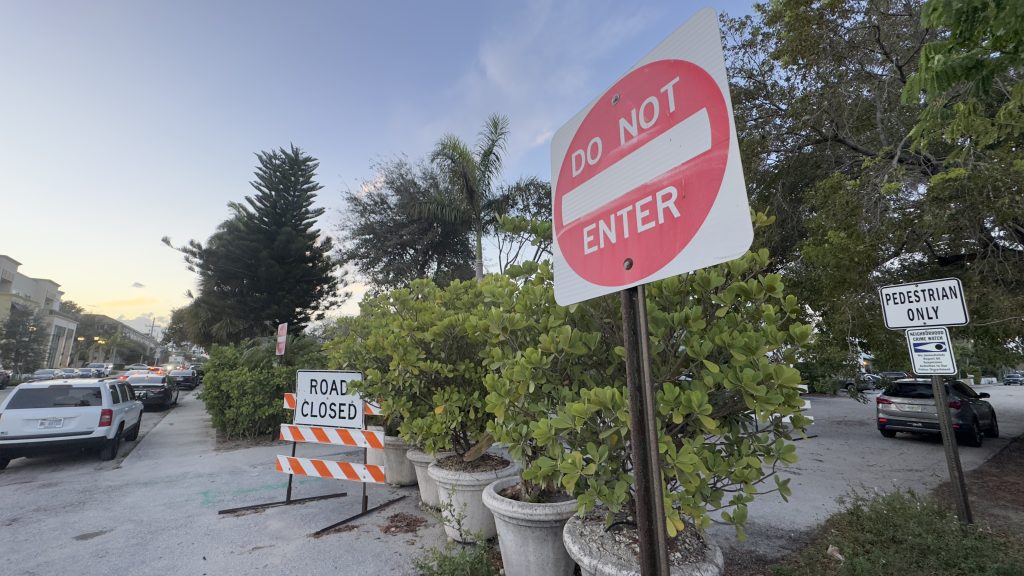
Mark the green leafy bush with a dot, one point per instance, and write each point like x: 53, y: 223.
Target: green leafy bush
x: 243, y: 386
x: 420, y: 349
x: 540, y: 356
x: 722, y: 341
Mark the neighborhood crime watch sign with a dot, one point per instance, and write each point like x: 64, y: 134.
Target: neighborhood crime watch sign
x: 929, y: 303
x: 931, y: 352
x: 647, y: 181
x: 323, y: 398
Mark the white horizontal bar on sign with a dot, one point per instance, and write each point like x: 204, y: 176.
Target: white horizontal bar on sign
x: 677, y: 145
x: 338, y: 436
x: 368, y: 473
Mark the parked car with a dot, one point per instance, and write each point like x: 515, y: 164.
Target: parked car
x: 154, y: 390
x: 1013, y: 380
x: 44, y: 374
x: 101, y: 368
x: 184, y: 378
x: 909, y: 406
x: 137, y: 367
x: 5, y: 379
x: 892, y: 376
x: 199, y: 371
x: 861, y: 382
x: 45, y: 417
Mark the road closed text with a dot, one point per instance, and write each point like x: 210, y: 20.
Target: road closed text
x: 323, y: 398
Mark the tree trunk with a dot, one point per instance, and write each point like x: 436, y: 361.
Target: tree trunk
x: 479, y: 252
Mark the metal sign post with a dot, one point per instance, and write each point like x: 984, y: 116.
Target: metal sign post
x: 650, y: 521
x: 956, y: 472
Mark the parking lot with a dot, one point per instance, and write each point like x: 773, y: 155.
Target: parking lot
x: 153, y: 510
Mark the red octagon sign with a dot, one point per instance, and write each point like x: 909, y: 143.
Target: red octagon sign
x: 674, y: 113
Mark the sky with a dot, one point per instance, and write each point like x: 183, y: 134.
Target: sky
x: 127, y: 121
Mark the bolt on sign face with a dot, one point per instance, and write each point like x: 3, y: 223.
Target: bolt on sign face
x: 647, y: 179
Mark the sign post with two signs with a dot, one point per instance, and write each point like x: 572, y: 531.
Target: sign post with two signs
x: 647, y: 184
x: 923, y: 310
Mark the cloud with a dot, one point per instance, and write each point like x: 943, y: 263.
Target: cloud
x: 540, y: 70
x: 138, y: 285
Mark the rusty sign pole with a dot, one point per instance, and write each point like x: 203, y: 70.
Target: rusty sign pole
x: 956, y: 471
x: 650, y: 515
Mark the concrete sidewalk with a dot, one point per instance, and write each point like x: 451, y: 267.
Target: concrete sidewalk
x: 157, y: 513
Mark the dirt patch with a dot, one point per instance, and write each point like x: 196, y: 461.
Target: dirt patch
x: 995, y: 489
x: 338, y: 530
x: 515, y: 492
x: 485, y: 463
x: 225, y: 444
x: 403, y: 523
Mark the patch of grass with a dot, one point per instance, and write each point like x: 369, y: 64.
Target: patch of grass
x: 456, y: 560
x: 906, y: 535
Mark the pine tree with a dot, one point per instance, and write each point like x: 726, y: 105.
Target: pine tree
x: 268, y: 263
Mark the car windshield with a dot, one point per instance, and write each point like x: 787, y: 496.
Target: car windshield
x: 55, y: 396
x: 181, y: 373
x: 911, y: 390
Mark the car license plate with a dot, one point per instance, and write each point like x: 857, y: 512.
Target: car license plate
x: 48, y: 423
x: 914, y: 408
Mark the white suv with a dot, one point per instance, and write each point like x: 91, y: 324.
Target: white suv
x: 61, y: 415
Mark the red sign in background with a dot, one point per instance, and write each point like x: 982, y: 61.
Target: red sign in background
x: 697, y: 180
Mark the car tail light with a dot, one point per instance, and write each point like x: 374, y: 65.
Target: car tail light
x: 956, y: 426
x: 880, y: 400
x: 106, y: 417
x: 954, y: 404
x: 883, y: 420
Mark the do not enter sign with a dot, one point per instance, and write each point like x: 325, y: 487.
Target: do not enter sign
x: 647, y: 179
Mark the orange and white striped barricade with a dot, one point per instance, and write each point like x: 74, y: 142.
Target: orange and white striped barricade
x: 327, y: 412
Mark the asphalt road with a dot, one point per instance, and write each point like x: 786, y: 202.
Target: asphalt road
x: 153, y: 511
x: 849, y: 454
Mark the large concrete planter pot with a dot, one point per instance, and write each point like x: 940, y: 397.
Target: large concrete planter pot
x: 398, y: 470
x: 530, y: 534
x: 375, y: 455
x: 420, y: 462
x: 462, y: 507
x: 598, y: 553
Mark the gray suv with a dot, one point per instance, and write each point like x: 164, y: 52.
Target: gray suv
x: 908, y: 406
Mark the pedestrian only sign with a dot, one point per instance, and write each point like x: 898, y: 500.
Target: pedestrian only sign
x: 930, y: 352
x: 323, y: 398
x: 929, y: 303
x: 646, y: 180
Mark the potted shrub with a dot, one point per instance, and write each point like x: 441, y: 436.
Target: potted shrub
x: 540, y: 356
x: 425, y: 343
x: 722, y: 341
x: 358, y: 345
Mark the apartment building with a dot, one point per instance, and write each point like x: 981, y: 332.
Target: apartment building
x: 38, y: 294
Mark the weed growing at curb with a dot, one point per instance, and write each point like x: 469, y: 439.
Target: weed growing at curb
x: 906, y: 534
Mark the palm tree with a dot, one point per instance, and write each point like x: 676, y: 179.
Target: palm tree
x: 469, y: 174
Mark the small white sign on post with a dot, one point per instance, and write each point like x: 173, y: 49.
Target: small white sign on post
x: 323, y: 398
x: 282, y: 338
x: 920, y: 304
x: 931, y: 352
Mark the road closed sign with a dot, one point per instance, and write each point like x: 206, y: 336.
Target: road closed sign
x: 647, y: 181
x: 323, y: 398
